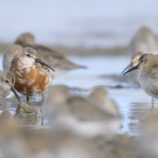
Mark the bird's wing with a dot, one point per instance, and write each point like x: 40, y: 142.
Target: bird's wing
x: 12, y: 63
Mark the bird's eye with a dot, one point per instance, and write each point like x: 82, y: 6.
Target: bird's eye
x: 28, y: 55
x: 6, y: 81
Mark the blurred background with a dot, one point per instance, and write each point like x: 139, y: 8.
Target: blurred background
x: 87, y: 23
x: 102, y: 35
x: 90, y: 30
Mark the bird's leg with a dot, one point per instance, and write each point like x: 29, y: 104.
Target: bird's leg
x: 27, y: 99
x: 152, y: 102
x: 42, y: 98
x: 41, y: 109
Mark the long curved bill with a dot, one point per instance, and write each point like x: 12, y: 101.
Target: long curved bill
x: 14, y: 91
x: 130, y: 68
x: 44, y: 64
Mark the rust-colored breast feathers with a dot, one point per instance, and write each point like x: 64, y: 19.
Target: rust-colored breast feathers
x: 32, y: 81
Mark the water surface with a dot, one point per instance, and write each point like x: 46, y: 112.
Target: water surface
x: 133, y: 103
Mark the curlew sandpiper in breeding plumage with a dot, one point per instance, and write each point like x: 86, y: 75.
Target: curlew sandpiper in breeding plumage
x: 32, y: 76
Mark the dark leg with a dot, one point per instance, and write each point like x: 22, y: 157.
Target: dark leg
x: 41, y: 109
x: 42, y: 98
x: 27, y: 99
x: 152, y: 102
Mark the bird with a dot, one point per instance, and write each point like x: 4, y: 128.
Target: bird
x: 99, y: 95
x: 84, y: 115
x: 133, y: 76
x: 25, y: 39
x: 50, y: 56
x: 148, y: 74
x: 32, y: 76
x: 7, y: 81
x: 145, y: 41
x: 9, y: 55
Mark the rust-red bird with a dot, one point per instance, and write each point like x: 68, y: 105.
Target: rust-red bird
x: 32, y: 76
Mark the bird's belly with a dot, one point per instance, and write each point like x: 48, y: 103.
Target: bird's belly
x: 151, y: 88
x: 31, y: 82
x: 149, y: 82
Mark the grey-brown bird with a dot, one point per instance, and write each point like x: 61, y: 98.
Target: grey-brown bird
x: 91, y: 116
x: 48, y: 55
x: 7, y: 81
x: 133, y: 76
x: 9, y: 55
x: 148, y: 74
x: 143, y: 41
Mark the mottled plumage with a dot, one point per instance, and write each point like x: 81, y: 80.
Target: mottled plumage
x: 90, y: 116
x: 31, y: 77
x: 148, y: 74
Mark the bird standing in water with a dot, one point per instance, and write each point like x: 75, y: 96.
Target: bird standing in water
x: 148, y: 74
x: 32, y: 76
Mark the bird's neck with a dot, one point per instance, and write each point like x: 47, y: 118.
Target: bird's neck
x: 24, y: 62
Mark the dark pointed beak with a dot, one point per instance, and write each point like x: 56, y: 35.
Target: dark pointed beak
x: 130, y: 68
x: 14, y: 91
x: 44, y: 64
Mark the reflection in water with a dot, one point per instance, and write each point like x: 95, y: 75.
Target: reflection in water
x: 139, y: 112
x: 134, y: 106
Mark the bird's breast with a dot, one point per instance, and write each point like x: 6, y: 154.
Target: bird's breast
x: 31, y: 81
x: 149, y: 82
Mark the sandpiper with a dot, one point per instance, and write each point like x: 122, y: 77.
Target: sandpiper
x: 50, y: 56
x: 133, y: 76
x: 32, y: 76
x: 148, y: 74
x: 144, y: 41
x: 99, y: 95
x: 25, y: 40
x: 9, y: 55
x: 7, y: 81
x: 89, y: 116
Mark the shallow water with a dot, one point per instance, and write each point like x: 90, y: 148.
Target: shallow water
x: 134, y: 104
